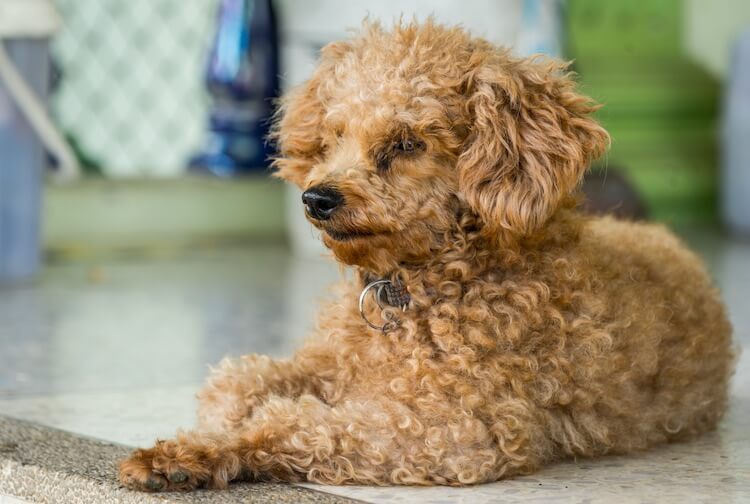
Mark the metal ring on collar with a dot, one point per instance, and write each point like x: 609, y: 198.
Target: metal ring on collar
x: 380, y: 284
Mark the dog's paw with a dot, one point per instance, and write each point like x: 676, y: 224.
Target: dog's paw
x: 168, y: 466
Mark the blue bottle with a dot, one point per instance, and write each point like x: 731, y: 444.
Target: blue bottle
x: 242, y: 77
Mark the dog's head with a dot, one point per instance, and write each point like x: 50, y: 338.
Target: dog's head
x: 397, y: 131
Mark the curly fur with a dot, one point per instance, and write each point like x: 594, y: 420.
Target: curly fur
x: 535, y: 333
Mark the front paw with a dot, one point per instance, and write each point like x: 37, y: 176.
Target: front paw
x: 168, y: 466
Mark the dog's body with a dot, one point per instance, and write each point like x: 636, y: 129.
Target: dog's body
x: 533, y: 332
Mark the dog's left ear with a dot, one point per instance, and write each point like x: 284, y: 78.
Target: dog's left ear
x: 531, y: 138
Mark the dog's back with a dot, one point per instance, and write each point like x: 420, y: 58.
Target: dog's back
x: 674, y: 335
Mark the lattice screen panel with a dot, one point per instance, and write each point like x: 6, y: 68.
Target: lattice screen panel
x: 132, y: 93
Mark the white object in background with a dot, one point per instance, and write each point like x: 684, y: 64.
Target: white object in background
x: 307, y: 26
x: 709, y: 30
x: 32, y: 19
x: 28, y: 19
x: 735, y: 135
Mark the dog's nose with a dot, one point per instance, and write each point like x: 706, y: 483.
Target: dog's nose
x: 321, y: 201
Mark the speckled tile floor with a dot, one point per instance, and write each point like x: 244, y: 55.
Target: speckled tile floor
x: 83, y: 349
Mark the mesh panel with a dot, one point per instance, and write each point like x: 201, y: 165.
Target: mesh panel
x: 132, y: 93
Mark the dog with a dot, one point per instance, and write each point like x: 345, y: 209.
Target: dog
x: 490, y: 327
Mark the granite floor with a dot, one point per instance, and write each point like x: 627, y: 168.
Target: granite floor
x: 115, y: 351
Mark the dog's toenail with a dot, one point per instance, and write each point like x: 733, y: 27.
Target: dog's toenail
x: 178, y: 477
x: 153, y: 484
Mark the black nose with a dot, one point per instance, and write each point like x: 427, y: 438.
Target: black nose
x: 321, y: 201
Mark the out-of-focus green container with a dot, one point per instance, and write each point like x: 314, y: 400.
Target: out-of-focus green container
x: 659, y: 107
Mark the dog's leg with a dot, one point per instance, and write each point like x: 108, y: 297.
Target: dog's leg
x: 237, y: 386
x: 364, y: 442
x: 192, y: 460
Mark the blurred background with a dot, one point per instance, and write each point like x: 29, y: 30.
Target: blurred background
x: 136, y: 206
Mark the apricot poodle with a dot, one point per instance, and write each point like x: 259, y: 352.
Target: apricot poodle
x: 504, y: 329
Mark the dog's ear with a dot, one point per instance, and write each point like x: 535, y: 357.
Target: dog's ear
x: 530, y: 140
x: 298, y: 122
x: 297, y: 131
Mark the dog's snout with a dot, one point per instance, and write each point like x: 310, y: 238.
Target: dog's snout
x: 321, y: 201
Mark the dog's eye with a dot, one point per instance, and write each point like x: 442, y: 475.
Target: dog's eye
x: 395, y: 149
x: 408, y: 145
